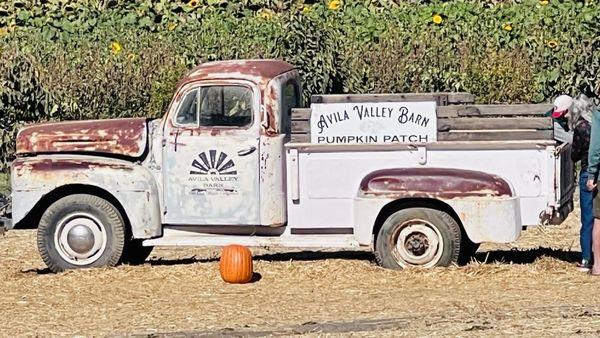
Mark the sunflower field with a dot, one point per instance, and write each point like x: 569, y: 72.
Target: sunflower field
x: 84, y: 59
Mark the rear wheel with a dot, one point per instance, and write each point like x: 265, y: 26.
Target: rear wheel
x: 80, y: 231
x: 418, y: 237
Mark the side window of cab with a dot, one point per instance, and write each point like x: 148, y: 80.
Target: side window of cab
x: 187, y: 115
x: 216, y: 106
x: 290, y: 99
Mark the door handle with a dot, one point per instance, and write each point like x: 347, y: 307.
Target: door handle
x: 248, y: 151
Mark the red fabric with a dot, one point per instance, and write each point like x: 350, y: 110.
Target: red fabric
x: 557, y: 114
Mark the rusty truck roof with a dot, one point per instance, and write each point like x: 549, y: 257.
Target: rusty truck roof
x: 252, y: 70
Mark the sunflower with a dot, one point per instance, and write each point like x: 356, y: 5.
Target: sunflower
x: 334, y: 5
x: 171, y: 27
x: 552, y: 44
x: 266, y: 14
x: 437, y: 19
x: 507, y: 27
x: 544, y: 2
x: 116, y: 47
x: 193, y: 3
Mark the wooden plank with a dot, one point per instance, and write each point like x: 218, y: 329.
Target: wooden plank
x: 494, y: 109
x: 440, y: 98
x: 363, y: 98
x: 451, y: 98
x: 482, y: 123
x: 501, y: 135
x: 300, y: 138
x: 461, y: 97
x: 300, y: 126
x: 301, y: 114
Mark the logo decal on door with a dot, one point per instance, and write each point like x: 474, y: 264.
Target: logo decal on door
x: 208, y: 164
x: 215, y: 172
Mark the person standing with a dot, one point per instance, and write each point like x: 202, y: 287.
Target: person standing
x: 561, y: 118
x: 593, y: 162
x: 582, y: 116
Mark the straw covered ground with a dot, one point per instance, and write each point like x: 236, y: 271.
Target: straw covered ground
x: 528, y: 288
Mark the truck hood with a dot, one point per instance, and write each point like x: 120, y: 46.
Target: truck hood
x: 122, y: 137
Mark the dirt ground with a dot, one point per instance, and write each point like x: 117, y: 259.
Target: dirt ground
x: 530, y: 288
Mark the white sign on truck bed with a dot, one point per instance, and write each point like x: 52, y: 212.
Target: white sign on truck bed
x: 374, y: 122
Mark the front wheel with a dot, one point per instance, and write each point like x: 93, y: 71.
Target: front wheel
x: 80, y: 231
x: 418, y: 237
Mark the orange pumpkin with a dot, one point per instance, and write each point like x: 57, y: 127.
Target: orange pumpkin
x: 235, y: 264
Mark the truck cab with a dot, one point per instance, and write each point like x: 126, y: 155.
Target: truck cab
x: 223, y: 144
x: 222, y: 167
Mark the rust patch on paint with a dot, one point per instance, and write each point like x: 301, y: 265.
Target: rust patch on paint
x: 256, y: 71
x: 126, y: 137
x: 50, y: 171
x: 433, y: 183
x: 26, y: 166
x: 271, y: 104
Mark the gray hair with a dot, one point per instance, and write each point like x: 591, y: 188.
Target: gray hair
x: 583, y: 107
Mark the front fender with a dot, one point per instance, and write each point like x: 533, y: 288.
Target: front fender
x: 129, y: 183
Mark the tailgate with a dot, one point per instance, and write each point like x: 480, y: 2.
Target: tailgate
x: 564, y: 183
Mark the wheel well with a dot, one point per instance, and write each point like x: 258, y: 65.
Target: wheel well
x: 400, y: 204
x: 32, y: 220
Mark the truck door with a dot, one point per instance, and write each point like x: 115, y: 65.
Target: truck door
x: 210, y: 158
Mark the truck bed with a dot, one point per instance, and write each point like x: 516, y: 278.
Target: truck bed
x: 512, y: 142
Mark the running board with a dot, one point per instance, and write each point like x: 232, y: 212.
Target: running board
x: 178, y: 237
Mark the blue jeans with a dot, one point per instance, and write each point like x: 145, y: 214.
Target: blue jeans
x: 586, y: 199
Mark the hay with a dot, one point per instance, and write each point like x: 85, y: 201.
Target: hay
x: 526, y: 288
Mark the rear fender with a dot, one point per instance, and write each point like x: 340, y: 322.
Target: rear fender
x: 132, y: 185
x: 484, y: 203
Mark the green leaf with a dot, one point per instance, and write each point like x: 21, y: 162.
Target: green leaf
x: 145, y: 22
x: 23, y: 15
x: 130, y: 19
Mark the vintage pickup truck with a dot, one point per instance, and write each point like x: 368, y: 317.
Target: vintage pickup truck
x: 234, y: 161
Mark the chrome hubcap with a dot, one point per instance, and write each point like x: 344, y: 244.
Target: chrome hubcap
x: 417, y: 243
x: 80, y: 238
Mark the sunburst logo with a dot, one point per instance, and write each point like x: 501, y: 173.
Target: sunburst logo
x: 208, y: 163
